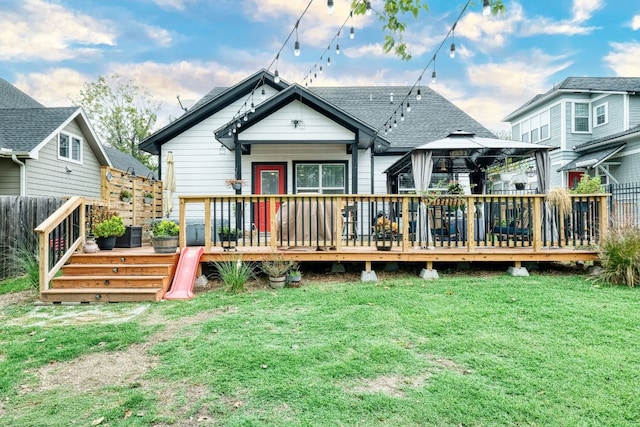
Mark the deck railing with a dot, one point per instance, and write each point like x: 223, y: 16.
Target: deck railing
x: 413, y: 222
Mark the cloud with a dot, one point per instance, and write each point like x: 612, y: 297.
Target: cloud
x: 52, y: 87
x: 623, y: 59
x: 635, y: 23
x: 38, y: 30
x: 173, y: 4
x: 159, y: 35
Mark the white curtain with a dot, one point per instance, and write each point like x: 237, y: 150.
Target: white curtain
x: 422, y: 166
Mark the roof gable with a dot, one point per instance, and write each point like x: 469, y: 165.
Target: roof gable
x: 365, y: 134
x: 208, y: 106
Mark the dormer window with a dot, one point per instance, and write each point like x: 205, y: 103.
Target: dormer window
x: 69, y: 147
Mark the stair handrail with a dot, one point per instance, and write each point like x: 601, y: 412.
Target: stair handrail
x: 64, y: 246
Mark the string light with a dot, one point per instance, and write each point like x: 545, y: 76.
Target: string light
x: 419, y: 94
x: 368, y: 10
x: 338, y: 44
x: 330, y: 6
x: 486, y: 7
x: 296, y: 45
x: 276, y: 75
x: 352, y: 32
x: 433, y: 74
x: 452, y: 50
x: 408, y: 107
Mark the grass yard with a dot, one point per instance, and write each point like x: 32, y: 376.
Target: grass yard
x: 546, y: 350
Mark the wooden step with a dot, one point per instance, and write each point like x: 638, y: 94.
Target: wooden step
x: 117, y: 270
x: 110, y: 282
x: 120, y: 258
x: 95, y: 295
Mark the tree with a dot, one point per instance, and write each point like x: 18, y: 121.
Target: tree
x: 122, y: 113
x: 393, y: 20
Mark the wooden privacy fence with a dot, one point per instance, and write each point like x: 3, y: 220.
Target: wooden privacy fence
x: 18, y: 218
x: 138, y: 210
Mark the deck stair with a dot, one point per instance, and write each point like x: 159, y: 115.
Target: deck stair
x: 112, y: 277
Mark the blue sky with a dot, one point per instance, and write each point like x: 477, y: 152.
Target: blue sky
x: 49, y: 48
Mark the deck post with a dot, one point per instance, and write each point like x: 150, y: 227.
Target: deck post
x: 207, y: 224
x: 471, y: 233
x: 537, y: 224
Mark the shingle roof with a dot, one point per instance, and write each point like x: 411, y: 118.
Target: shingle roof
x: 584, y: 84
x: 124, y: 161
x: 22, y: 129
x: 12, y: 97
x: 431, y: 118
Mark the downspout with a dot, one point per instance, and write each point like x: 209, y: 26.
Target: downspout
x: 23, y: 175
x: 354, y: 168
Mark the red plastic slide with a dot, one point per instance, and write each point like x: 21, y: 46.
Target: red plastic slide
x: 185, y: 277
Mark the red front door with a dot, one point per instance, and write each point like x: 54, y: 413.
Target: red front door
x: 267, y: 179
x: 574, y: 178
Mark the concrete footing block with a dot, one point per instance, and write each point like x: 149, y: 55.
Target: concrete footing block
x: 368, y: 276
x: 518, y: 271
x: 429, y: 274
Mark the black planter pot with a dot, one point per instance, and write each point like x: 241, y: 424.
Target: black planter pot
x: 106, y: 243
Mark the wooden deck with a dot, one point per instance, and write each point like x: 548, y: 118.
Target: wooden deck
x: 320, y: 228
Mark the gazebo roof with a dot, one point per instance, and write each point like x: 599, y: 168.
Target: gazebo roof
x: 477, y: 152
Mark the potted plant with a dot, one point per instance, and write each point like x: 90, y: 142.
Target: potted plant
x: 276, y: 268
x: 228, y: 234
x: 125, y: 196
x: 107, y: 229
x: 294, y: 276
x: 164, y: 236
x: 588, y: 185
x: 235, y: 183
x: 148, y: 198
x: 385, y: 232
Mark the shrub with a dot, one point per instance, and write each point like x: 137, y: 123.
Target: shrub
x: 588, y: 185
x: 235, y: 274
x: 112, y: 226
x: 620, y: 255
x: 164, y: 228
x: 276, y: 265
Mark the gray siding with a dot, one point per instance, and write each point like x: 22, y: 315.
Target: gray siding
x: 616, y: 116
x: 555, y: 126
x: 573, y: 139
x: 634, y: 110
x: 628, y: 170
x: 515, y: 132
x: 9, y: 178
x: 47, y: 176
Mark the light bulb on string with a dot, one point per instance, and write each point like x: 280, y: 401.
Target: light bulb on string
x: 408, y: 107
x: 296, y: 45
x: 368, y: 10
x: 276, y: 74
x: 433, y: 74
x: 486, y: 7
x: 330, y: 7
x: 263, y: 94
x: 246, y: 118
x: 352, y: 32
x: 328, y: 61
x: 419, y: 94
x: 338, y: 43
x: 401, y: 113
x: 320, y: 67
x: 452, y: 50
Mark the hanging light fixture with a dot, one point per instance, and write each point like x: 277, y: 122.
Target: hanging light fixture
x: 419, y: 95
x: 486, y: 7
x: 330, y: 6
x: 352, y: 32
x: 443, y: 165
x: 433, y: 74
x: 296, y: 45
x: 452, y: 50
x: 408, y: 107
x: 368, y: 10
x: 276, y: 75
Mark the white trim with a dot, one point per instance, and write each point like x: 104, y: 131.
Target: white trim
x: 71, y: 137
x: 595, y: 114
x: 625, y: 110
x: 573, y: 117
x: 563, y: 125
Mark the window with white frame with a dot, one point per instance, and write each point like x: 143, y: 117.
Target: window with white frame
x: 581, y: 117
x: 601, y: 115
x: 323, y: 178
x: 536, y: 127
x: 69, y: 147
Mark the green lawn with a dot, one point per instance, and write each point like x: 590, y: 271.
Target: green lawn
x: 546, y: 350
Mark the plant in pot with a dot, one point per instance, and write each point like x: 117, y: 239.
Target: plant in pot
x: 586, y: 186
x: 234, y: 183
x: 125, y: 195
x: 276, y: 268
x: 228, y: 234
x: 385, y: 232
x: 294, y: 276
x: 107, y: 229
x: 148, y: 198
x: 164, y: 236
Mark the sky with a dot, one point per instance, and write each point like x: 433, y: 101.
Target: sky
x: 51, y: 48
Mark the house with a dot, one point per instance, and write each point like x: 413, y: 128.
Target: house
x: 44, y: 151
x: 286, y: 139
x: 592, y: 124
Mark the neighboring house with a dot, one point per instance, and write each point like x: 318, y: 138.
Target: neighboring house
x: 285, y: 138
x: 593, y: 124
x: 126, y: 162
x: 46, y: 151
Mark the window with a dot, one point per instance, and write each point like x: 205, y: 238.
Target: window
x: 69, y: 147
x: 580, y: 117
x: 600, y: 114
x: 323, y: 178
x: 406, y: 184
x: 536, y: 127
